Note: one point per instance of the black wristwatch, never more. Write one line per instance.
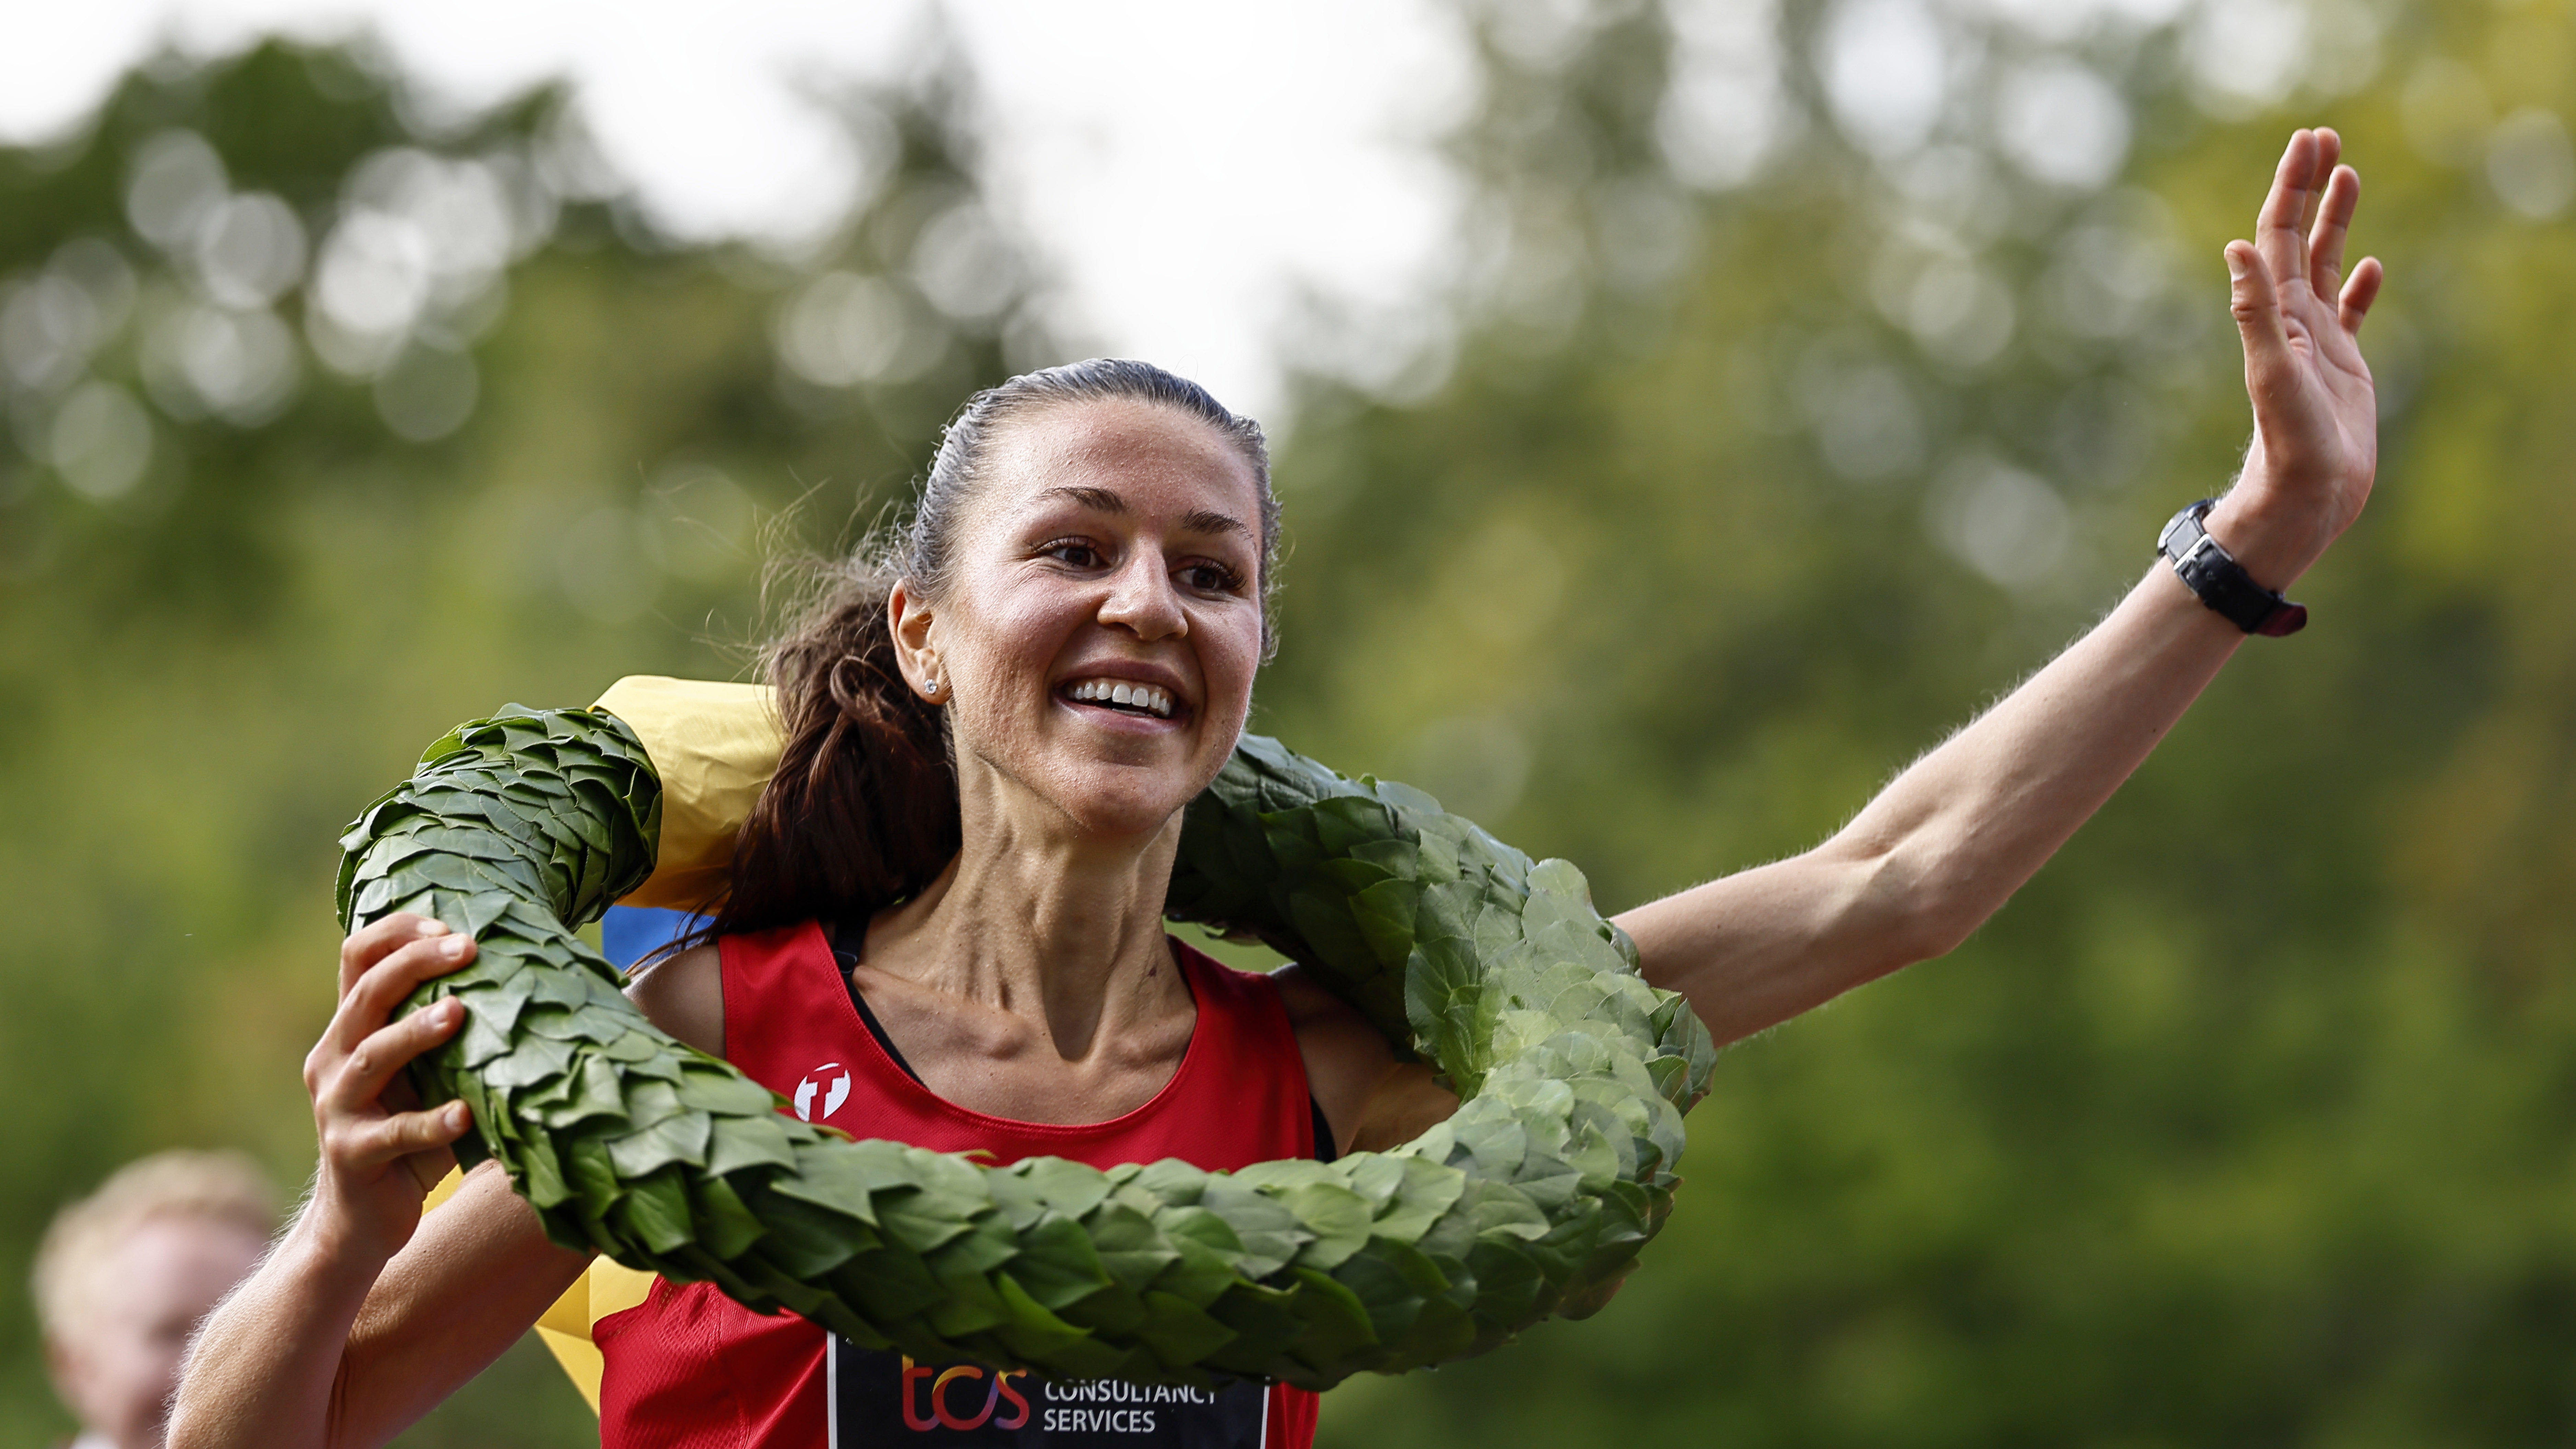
(2209, 570)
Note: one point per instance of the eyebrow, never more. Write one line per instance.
(1197, 520)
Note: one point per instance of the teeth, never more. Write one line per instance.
(1134, 696)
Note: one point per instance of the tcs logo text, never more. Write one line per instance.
(940, 1416)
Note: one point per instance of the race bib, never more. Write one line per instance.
(881, 1398)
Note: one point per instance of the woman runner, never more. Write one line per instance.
(945, 925)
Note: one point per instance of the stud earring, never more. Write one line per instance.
(931, 686)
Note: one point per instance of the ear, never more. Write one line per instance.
(910, 619)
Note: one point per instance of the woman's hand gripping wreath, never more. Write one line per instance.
(380, 1154)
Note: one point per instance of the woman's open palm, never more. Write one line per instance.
(2316, 413)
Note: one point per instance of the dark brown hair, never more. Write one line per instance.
(862, 812)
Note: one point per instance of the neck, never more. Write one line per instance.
(1038, 917)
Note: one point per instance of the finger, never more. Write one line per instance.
(2278, 230)
(2334, 222)
(387, 982)
(2270, 370)
(363, 1077)
(2358, 294)
(371, 943)
(2329, 151)
(369, 1145)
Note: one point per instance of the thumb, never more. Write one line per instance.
(2270, 370)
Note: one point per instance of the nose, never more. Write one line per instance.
(1142, 600)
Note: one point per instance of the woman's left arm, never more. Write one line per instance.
(1953, 837)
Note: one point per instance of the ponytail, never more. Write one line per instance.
(862, 812)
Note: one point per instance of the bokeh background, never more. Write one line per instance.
(1762, 387)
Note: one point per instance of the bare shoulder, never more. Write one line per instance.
(1310, 1004)
(1372, 1101)
(684, 995)
(1346, 1060)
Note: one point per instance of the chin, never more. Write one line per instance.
(1108, 798)
(1140, 809)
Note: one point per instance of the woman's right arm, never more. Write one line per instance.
(365, 1315)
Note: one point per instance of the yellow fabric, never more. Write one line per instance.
(565, 1327)
(581, 1361)
(605, 1288)
(570, 1314)
(715, 746)
(614, 1288)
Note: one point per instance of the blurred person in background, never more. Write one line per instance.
(126, 1274)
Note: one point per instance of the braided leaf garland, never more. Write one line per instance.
(1532, 1200)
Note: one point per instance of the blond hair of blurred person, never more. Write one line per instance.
(125, 1275)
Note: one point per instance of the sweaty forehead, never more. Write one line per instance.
(1150, 455)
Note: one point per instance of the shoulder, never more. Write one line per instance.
(1335, 1039)
(1346, 1060)
(683, 994)
(1374, 1101)
(1310, 1005)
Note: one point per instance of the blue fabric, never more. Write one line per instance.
(630, 933)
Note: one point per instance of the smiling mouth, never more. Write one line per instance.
(1122, 696)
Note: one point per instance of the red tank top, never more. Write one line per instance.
(691, 1369)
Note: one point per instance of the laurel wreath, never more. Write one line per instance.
(1533, 1200)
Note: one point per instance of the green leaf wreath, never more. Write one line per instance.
(1533, 1200)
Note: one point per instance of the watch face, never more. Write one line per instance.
(2183, 531)
(2170, 542)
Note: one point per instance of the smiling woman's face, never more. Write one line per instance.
(1100, 625)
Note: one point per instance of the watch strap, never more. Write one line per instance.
(2211, 572)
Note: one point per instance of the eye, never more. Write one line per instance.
(1073, 553)
(1210, 577)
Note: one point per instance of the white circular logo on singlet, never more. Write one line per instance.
(834, 1081)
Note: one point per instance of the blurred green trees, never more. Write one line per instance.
(1752, 470)
(2249, 1121)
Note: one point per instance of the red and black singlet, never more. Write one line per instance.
(691, 1369)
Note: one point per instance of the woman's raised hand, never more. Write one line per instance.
(2316, 415)
(380, 1156)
